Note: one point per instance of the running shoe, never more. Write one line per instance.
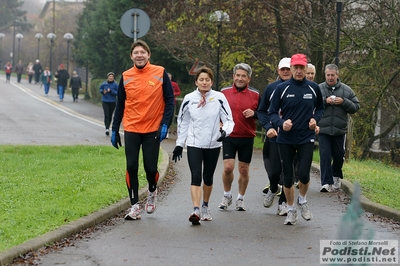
(336, 183)
(282, 209)
(226, 201)
(205, 214)
(269, 199)
(266, 188)
(305, 212)
(291, 217)
(279, 190)
(194, 218)
(151, 201)
(134, 213)
(326, 188)
(240, 205)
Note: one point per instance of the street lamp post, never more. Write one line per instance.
(19, 36)
(1, 46)
(51, 36)
(87, 97)
(68, 36)
(219, 17)
(339, 7)
(38, 36)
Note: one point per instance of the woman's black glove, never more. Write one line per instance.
(177, 153)
(223, 135)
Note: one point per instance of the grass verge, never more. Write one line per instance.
(44, 187)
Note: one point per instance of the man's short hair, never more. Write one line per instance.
(244, 67)
(140, 43)
(332, 67)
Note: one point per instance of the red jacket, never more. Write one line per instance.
(240, 101)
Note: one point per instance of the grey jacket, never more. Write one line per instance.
(335, 119)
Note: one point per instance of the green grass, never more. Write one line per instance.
(43, 187)
(379, 182)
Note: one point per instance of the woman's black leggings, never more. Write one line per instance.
(202, 164)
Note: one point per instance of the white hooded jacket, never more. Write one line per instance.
(199, 126)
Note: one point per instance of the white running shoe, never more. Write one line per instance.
(151, 201)
(282, 209)
(194, 217)
(240, 205)
(336, 183)
(226, 201)
(326, 188)
(291, 217)
(205, 214)
(305, 212)
(269, 199)
(134, 213)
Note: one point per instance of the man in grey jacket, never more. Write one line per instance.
(340, 101)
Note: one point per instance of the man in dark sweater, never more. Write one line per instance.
(62, 80)
(37, 67)
(340, 100)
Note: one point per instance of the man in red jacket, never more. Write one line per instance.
(243, 101)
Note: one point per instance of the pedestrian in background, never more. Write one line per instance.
(177, 92)
(340, 101)
(145, 104)
(19, 69)
(75, 85)
(46, 80)
(295, 109)
(243, 101)
(199, 119)
(30, 72)
(62, 81)
(8, 70)
(37, 68)
(271, 157)
(109, 91)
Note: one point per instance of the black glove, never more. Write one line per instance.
(116, 139)
(177, 153)
(223, 135)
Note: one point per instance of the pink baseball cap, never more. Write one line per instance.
(298, 59)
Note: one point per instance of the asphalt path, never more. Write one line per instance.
(254, 237)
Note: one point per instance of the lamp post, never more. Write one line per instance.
(1, 46)
(219, 17)
(38, 36)
(51, 36)
(87, 97)
(339, 7)
(19, 36)
(68, 36)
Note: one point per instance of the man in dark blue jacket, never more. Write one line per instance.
(295, 109)
(271, 158)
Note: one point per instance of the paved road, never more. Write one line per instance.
(254, 237)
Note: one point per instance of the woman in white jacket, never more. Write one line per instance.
(204, 120)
